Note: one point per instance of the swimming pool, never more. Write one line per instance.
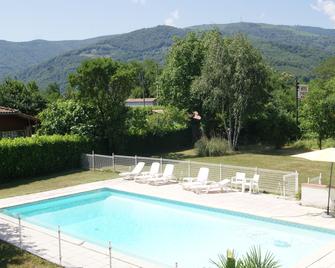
(168, 231)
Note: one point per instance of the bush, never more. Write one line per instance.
(28, 157)
(201, 146)
(312, 144)
(211, 147)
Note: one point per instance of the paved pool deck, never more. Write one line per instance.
(77, 253)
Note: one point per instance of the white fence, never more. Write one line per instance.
(284, 183)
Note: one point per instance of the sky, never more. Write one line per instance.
(24, 20)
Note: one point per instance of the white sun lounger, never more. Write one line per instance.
(144, 176)
(218, 186)
(201, 179)
(136, 171)
(163, 178)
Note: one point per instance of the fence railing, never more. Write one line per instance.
(284, 183)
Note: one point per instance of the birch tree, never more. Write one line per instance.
(232, 81)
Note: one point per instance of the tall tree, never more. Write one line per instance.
(146, 77)
(183, 64)
(232, 81)
(318, 110)
(105, 84)
(24, 97)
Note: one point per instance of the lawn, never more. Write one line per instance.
(54, 181)
(11, 257)
(264, 158)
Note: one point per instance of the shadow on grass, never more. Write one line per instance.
(18, 182)
(249, 149)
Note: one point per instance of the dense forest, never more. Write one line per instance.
(294, 49)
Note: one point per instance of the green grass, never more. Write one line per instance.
(264, 158)
(12, 257)
(54, 181)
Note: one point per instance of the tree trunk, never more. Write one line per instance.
(320, 142)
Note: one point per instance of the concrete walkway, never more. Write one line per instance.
(76, 253)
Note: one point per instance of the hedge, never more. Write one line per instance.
(148, 144)
(40, 155)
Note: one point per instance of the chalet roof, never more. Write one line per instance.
(4, 111)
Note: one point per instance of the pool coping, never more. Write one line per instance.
(115, 185)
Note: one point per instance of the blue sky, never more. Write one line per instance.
(23, 20)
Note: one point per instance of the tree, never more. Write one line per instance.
(52, 92)
(326, 70)
(232, 83)
(105, 84)
(67, 117)
(318, 110)
(24, 97)
(183, 64)
(145, 80)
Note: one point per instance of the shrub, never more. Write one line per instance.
(33, 156)
(312, 144)
(211, 147)
(201, 146)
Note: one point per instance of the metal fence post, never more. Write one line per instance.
(189, 169)
(93, 160)
(20, 232)
(59, 247)
(110, 254)
(220, 172)
(135, 158)
(113, 161)
(284, 186)
(296, 185)
(161, 160)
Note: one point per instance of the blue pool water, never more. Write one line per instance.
(168, 232)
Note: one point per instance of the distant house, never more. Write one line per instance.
(141, 102)
(13, 123)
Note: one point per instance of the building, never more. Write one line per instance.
(141, 102)
(13, 123)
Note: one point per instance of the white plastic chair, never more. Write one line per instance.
(253, 184)
(136, 171)
(239, 179)
(201, 179)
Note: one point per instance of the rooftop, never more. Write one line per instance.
(12, 111)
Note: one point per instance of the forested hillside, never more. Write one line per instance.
(18, 56)
(295, 49)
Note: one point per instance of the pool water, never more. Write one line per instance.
(168, 231)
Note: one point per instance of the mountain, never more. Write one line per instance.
(150, 43)
(18, 56)
(295, 49)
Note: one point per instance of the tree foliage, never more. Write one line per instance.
(318, 110)
(232, 82)
(68, 117)
(24, 97)
(146, 74)
(183, 64)
(105, 85)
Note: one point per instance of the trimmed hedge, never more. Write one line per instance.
(40, 155)
(149, 144)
